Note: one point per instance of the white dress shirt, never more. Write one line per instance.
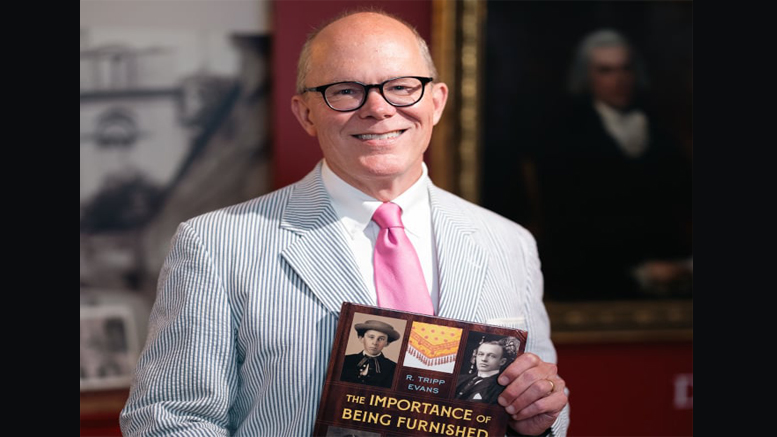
(355, 209)
(630, 129)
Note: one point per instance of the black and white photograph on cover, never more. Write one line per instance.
(336, 431)
(373, 350)
(109, 346)
(485, 357)
(432, 347)
(174, 100)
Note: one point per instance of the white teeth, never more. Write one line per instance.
(379, 137)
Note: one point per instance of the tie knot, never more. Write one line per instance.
(388, 215)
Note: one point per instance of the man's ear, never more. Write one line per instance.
(301, 110)
(439, 97)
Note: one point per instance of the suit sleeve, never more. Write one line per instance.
(538, 340)
(186, 377)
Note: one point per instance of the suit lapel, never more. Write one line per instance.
(321, 255)
(461, 260)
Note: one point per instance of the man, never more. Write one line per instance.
(370, 366)
(615, 187)
(250, 295)
(489, 359)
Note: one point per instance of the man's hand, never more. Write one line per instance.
(533, 395)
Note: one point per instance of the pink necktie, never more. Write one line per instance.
(399, 280)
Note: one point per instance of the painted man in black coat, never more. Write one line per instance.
(616, 188)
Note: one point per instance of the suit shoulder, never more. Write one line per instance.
(268, 206)
(484, 218)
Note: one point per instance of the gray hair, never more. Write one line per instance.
(578, 73)
(303, 65)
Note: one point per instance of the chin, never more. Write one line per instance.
(385, 165)
(620, 102)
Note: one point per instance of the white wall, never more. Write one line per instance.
(235, 15)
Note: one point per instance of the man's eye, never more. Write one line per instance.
(344, 91)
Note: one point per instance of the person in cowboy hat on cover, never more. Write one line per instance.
(370, 366)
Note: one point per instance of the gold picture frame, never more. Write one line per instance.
(459, 50)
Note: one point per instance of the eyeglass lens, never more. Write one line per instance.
(403, 91)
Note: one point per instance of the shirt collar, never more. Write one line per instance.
(355, 208)
(613, 114)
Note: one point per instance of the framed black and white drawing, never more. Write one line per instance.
(174, 122)
(109, 346)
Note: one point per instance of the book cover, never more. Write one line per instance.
(394, 373)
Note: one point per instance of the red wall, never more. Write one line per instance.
(629, 389)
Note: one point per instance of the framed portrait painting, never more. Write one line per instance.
(574, 119)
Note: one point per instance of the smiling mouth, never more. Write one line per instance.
(385, 136)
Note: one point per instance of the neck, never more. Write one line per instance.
(383, 188)
(620, 109)
(370, 355)
(487, 374)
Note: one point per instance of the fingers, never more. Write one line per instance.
(532, 387)
(538, 407)
(516, 399)
(524, 363)
(538, 400)
(536, 423)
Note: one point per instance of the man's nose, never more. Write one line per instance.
(376, 106)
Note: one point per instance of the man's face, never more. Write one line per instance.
(612, 76)
(377, 144)
(489, 357)
(374, 341)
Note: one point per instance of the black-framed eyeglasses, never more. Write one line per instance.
(350, 96)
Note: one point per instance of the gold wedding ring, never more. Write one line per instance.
(552, 387)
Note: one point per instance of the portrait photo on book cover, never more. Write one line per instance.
(485, 357)
(432, 347)
(373, 350)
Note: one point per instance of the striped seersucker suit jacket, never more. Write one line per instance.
(249, 297)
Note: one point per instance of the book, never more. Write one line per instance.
(395, 373)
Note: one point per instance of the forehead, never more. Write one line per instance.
(614, 55)
(490, 348)
(365, 47)
(374, 332)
